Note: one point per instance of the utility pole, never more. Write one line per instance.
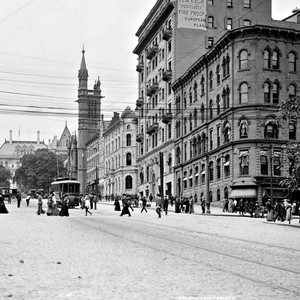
(161, 165)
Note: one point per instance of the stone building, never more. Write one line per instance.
(119, 155)
(12, 151)
(172, 37)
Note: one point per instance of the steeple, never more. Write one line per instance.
(83, 73)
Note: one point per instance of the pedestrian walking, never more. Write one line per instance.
(3, 209)
(192, 205)
(166, 205)
(50, 206)
(91, 200)
(278, 211)
(86, 205)
(40, 204)
(177, 205)
(64, 212)
(28, 200)
(241, 207)
(187, 205)
(203, 204)
(144, 204)
(270, 213)
(19, 198)
(158, 210)
(117, 204)
(289, 215)
(95, 200)
(125, 210)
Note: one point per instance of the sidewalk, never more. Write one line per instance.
(215, 210)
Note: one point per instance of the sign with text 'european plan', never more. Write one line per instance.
(191, 14)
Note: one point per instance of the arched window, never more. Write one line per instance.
(191, 96)
(128, 139)
(275, 60)
(218, 168)
(128, 159)
(292, 62)
(271, 130)
(191, 121)
(184, 100)
(292, 91)
(218, 105)
(226, 192)
(195, 117)
(128, 182)
(211, 171)
(244, 129)
(202, 113)
(218, 73)
(199, 144)
(211, 75)
(227, 166)
(244, 93)
(202, 85)
(141, 177)
(267, 59)
(275, 93)
(243, 60)
(227, 132)
(178, 155)
(211, 109)
(226, 98)
(203, 142)
(195, 91)
(267, 92)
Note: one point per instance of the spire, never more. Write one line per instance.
(83, 65)
(83, 73)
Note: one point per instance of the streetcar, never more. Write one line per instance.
(5, 192)
(69, 186)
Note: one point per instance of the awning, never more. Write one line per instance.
(226, 163)
(243, 193)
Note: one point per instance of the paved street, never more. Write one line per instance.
(180, 256)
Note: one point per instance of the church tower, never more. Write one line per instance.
(89, 112)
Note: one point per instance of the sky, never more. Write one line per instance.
(40, 54)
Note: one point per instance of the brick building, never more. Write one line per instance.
(172, 37)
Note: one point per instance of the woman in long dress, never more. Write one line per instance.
(40, 205)
(3, 209)
(270, 213)
(64, 212)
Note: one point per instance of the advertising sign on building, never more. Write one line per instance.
(191, 14)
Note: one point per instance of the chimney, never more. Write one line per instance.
(38, 137)
(10, 136)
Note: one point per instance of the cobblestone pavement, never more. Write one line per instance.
(180, 256)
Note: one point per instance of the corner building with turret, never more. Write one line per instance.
(211, 74)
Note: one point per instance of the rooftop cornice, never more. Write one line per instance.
(142, 43)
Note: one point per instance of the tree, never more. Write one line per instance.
(38, 170)
(5, 176)
(289, 110)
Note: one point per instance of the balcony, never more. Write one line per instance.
(140, 67)
(152, 51)
(139, 137)
(167, 34)
(167, 75)
(140, 102)
(167, 118)
(152, 89)
(152, 128)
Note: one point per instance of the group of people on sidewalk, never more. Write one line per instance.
(282, 210)
(52, 206)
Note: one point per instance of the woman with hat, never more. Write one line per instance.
(3, 209)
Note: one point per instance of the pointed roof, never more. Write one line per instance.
(83, 65)
(66, 135)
